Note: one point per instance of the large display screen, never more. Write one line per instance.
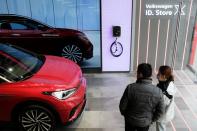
(81, 15)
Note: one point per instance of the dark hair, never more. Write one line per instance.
(145, 69)
(167, 71)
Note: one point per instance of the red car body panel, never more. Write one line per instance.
(56, 74)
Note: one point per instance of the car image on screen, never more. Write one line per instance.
(43, 39)
(37, 92)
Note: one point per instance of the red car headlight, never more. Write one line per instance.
(62, 94)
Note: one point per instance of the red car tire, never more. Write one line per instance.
(36, 117)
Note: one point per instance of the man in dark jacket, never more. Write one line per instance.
(142, 102)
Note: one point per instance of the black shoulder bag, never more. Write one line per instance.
(163, 85)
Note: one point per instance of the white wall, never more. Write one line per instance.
(116, 13)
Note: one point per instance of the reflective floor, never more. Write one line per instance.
(103, 95)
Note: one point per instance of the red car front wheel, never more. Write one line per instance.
(36, 118)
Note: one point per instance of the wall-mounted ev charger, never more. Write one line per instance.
(116, 31)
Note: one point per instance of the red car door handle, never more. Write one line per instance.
(16, 34)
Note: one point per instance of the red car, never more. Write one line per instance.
(43, 39)
(38, 91)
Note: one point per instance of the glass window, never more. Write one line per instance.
(18, 26)
(36, 24)
(15, 64)
(5, 26)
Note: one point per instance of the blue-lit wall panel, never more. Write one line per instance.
(89, 12)
(42, 10)
(66, 13)
(3, 7)
(76, 14)
(21, 7)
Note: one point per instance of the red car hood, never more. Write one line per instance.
(58, 71)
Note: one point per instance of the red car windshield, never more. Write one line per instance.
(17, 64)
